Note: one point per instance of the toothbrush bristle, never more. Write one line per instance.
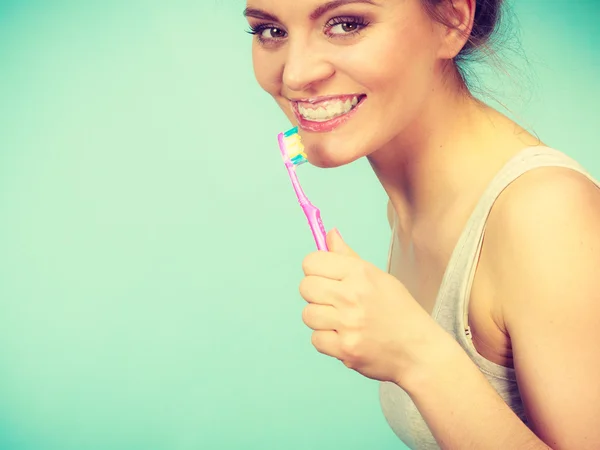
(291, 132)
(294, 147)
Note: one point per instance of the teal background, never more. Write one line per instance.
(150, 242)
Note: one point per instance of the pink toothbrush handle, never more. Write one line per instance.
(316, 225)
(311, 212)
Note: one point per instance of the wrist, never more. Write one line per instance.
(438, 360)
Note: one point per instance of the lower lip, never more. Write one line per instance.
(329, 125)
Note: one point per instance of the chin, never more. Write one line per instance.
(325, 163)
(329, 153)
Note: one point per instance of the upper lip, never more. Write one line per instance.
(324, 98)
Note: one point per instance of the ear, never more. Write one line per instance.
(458, 17)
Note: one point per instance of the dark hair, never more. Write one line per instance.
(487, 20)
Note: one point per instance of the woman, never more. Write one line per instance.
(479, 343)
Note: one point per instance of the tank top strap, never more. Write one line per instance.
(451, 307)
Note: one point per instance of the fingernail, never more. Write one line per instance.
(338, 233)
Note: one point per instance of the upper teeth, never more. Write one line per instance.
(328, 110)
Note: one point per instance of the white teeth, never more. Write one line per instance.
(329, 110)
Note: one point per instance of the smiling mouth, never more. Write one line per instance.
(327, 110)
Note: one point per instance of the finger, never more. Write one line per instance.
(336, 244)
(320, 317)
(326, 342)
(322, 291)
(334, 266)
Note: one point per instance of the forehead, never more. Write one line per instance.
(316, 8)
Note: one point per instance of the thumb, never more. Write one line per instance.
(336, 244)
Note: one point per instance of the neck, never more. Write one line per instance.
(450, 151)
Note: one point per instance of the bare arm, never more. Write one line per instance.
(543, 248)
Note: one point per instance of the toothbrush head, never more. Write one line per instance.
(291, 147)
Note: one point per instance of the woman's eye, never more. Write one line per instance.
(272, 33)
(344, 28)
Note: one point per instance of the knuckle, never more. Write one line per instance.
(357, 318)
(352, 318)
(359, 292)
(364, 271)
(353, 296)
(349, 364)
(307, 315)
(315, 340)
(303, 288)
(306, 264)
(350, 346)
(309, 262)
(355, 293)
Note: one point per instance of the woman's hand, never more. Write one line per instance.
(365, 317)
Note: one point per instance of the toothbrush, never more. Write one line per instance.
(292, 151)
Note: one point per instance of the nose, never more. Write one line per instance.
(304, 67)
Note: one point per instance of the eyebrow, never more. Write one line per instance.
(335, 4)
(259, 14)
(318, 12)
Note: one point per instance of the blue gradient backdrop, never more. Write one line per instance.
(150, 243)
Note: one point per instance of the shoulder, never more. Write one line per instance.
(546, 190)
(547, 212)
(545, 222)
(543, 263)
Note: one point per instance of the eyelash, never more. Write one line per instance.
(359, 22)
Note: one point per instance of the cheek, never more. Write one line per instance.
(391, 66)
(399, 80)
(398, 56)
(266, 70)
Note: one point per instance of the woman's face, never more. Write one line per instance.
(352, 74)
